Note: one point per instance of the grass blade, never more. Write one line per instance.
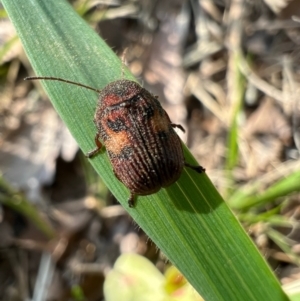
(189, 221)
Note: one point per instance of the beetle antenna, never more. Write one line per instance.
(61, 80)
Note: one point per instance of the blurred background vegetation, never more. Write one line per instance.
(228, 71)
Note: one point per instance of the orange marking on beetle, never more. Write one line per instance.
(116, 141)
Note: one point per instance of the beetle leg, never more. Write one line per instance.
(93, 152)
(198, 168)
(131, 200)
(178, 126)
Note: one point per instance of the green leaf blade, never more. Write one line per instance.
(189, 221)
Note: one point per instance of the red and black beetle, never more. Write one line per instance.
(145, 152)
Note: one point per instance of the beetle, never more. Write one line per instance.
(145, 152)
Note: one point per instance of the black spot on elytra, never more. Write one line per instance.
(117, 125)
(125, 153)
(162, 135)
(148, 112)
